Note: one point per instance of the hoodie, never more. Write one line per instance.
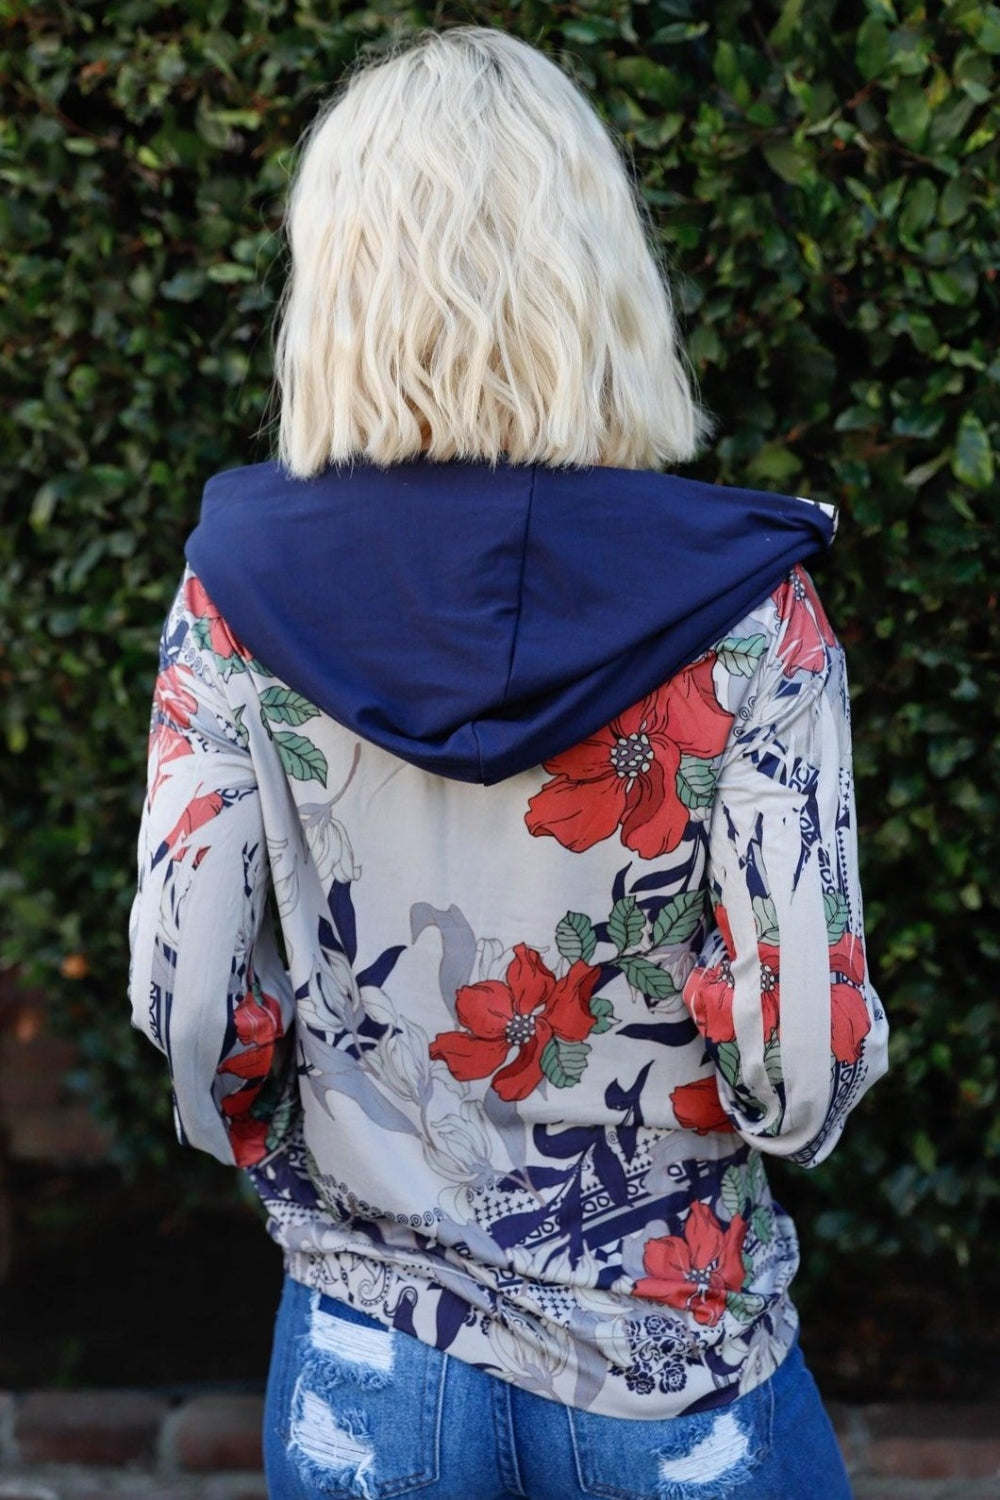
(498, 905)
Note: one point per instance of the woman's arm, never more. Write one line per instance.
(206, 984)
(781, 990)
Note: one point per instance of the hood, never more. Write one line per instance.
(475, 620)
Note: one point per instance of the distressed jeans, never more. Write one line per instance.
(356, 1409)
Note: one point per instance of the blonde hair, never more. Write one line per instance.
(470, 275)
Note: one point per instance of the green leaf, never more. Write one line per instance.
(787, 161)
(746, 1306)
(871, 49)
(972, 457)
(201, 629)
(284, 706)
(974, 74)
(772, 1062)
(774, 461)
(229, 272)
(242, 735)
(765, 919)
(695, 781)
(679, 918)
(762, 1221)
(677, 31)
(626, 923)
(186, 286)
(988, 36)
(740, 654)
(648, 978)
(909, 113)
(231, 665)
(587, 30)
(733, 1191)
(604, 1013)
(950, 120)
(956, 286)
(648, 80)
(835, 908)
(787, 26)
(575, 937)
(303, 760)
(564, 1063)
(919, 207)
(727, 1060)
(757, 1174)
(956, 196)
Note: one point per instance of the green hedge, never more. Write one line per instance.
(824, 178)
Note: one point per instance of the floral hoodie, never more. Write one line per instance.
(498, 906)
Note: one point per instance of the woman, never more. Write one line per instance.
(542, 758)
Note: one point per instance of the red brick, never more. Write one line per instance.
(933, 1441)
(88, 1427)
(215, 1432)
(41, 1119)
(852, 1436)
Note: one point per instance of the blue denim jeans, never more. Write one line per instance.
(355, 1409)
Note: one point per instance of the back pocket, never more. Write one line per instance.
(709, 1455)
(365, 1408)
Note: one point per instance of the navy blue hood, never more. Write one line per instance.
(476, 621)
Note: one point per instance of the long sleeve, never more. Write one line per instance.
(206, 984)
(781, 991)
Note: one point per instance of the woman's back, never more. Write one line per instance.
(500, 1124)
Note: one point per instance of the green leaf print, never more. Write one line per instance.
(201, 629)
(695, 781)
(733, 1190)
(575, 937)
(646, 977)
(242, 736)
(772, 1062)
(603, 1012)
(626, 923)
(765, 919)
(727, 1060)
(679, 918)
(746, 1306)
(758, 1176)
(835, 907)
(763, 1224)
(563, 1063)
(300, 757)
(227, 665)
(740, 654)
(284, 706)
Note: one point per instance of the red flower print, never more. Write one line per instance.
(695, 1272)
(258, 1027)
(247, 1136)
(258, 1024)
(770, 987)
(221, 638)
(697, 1107)
(626, 775)
(525, 1012)
(850, 1021)
(806, 633)
(199, 811)
(708, 993)
(173, 699)
(165, 744)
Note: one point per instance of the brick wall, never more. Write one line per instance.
(65, 1445)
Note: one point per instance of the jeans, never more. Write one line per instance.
(356, 1409)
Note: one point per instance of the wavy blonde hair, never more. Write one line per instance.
(470, 275)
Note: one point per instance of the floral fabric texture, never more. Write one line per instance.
(504, 1062)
